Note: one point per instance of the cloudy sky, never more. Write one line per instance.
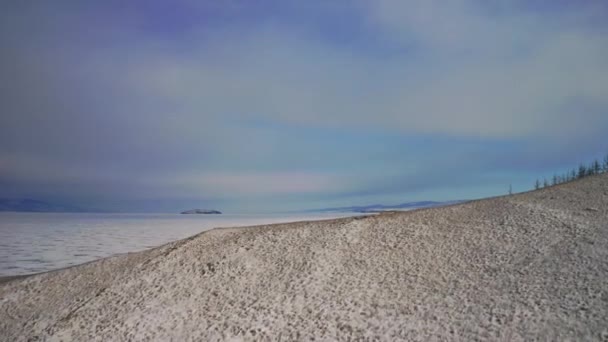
(282, 105)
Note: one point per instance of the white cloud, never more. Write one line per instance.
(122, 105)
(469, 74)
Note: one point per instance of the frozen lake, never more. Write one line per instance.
(38, 242)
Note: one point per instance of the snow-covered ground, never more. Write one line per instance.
(532, 266)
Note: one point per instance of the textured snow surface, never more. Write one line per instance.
(521, 267)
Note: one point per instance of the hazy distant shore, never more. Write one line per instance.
(521, 267)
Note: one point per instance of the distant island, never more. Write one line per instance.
(201, 211)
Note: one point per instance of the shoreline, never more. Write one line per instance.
(9, 278)
(256, 222)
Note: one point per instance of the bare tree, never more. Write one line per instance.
(582, 171)
(597, 168)
(594, 168)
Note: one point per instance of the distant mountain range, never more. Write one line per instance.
(35, 206)
(382, 207)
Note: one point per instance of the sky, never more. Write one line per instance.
(263, 106)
